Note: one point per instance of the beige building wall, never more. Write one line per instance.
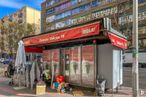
(33, 17)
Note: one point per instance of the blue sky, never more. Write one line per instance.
(10, 6)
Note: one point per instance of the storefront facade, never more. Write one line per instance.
(74, 52)
(76, 63)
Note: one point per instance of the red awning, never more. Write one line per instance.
(69, 34)
(33, 50)
(118, 41)
(84, 31)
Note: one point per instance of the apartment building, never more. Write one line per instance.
(25, 15)
(61, 14)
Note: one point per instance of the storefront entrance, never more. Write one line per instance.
(79, 65)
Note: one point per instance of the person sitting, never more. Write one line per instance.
(46, 75)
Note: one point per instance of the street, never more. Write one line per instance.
(127, 74)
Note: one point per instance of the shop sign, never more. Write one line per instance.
(118, 41)
(69, 34)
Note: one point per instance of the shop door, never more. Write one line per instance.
(65, 63)
(71, 63)
(88, 66)
(79, 65)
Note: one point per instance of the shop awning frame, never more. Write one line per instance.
(63, 35)
(79, 33)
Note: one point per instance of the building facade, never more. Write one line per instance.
(27, 17)
(73, 32)
(61, 14)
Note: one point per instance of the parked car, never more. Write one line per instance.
(7, 61)
(2, 60)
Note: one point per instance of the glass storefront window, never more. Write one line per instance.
(55, 55)
(79, 65)
(75, 68)
(47, 58)
(51, 57)
(88, 66)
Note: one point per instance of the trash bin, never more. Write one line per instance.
(40, 88)
(100, 87)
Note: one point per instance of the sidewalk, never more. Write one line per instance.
(123, 92)
(10, 91)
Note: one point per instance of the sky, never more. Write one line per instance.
(10, 6)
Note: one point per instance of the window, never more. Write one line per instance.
(141, 1)
(140, 42)
(75, 66)
(60, 24)
(73, 2)
(50, 11)
(144, 42)
(88, 65)
(50, 19)
(87, 6)
(95, 3)
(67, 13)
(142, 30)
(75, 11)
(52, 2)
(58, 16)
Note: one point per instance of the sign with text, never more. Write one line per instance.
(118, 41)
(68, 34)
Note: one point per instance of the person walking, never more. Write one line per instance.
(6, 71)
(10, 70)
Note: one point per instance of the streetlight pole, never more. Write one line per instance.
(135, 76)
